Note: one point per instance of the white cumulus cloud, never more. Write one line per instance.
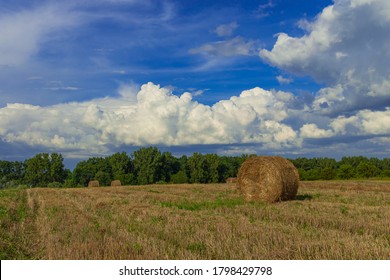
(347, 46)
(151, 116)
(365, 122)
(313, 131)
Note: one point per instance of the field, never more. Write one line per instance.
(328, 220)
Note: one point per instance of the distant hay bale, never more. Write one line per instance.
(116, 183)
(93, 183)
(268, 178)
(231, 180)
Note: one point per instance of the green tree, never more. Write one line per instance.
(148, 165)
(353, 161)
(385, 173)
(179, 178)
(57, 170)
(44, 169)
(327, 173)
(214, 168)
(198, 168)
(122, 168)
(366, 170)
(183, 165)
(312, 174)
(346, 171)
(385, 164)
(170, 166)
(38, 170)
(104, 178)
(303, 164)
(11, 171)
(83, 173)
(87, 170)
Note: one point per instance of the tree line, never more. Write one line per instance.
(355, 167)
(144, 166)
(151, 166)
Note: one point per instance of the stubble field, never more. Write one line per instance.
(328, 220)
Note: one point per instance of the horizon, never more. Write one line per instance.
(71, 163)
(269, 77)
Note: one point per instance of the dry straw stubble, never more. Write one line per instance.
(268, 178)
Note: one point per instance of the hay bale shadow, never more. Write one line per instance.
(304, 197)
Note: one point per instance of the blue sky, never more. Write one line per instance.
(294, 78)
(100, 44)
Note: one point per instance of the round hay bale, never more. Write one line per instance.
(93, 183)
(116, 183)
(231, 180)
(268, 178)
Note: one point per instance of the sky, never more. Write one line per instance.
(276, 77)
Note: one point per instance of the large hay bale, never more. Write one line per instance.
(268, 178)
(116, 183)
(93, 183)
(231, 180)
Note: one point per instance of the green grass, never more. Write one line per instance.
(204, 205)
(14, 214)
(197, 247)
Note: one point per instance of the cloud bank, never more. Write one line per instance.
(153, 116)
(347, 47)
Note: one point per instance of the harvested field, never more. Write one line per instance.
(327, 220)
